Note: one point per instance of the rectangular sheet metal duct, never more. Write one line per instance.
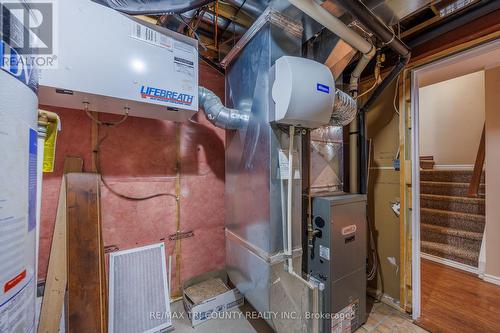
(255, 192)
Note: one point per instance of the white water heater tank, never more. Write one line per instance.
(119, 64)
(18, 186)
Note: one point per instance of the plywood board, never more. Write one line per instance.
(86, 304)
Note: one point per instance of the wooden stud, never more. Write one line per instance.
(94, 139)
(55, 283)
(339, 58)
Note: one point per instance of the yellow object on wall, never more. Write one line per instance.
(49, 150)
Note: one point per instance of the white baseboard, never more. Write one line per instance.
(454, 166)
(491, 279)
(450, 263)
(482, 258)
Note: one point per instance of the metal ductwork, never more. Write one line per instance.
(344, 109)
(218, 114)
(153, 7)
(223, 23)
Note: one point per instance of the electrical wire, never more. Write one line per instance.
(193, 31)
(397, 81)
(395, 96)
(97, 152)
(373, 247)
(102, 123)
(376, 75)
(370, 89)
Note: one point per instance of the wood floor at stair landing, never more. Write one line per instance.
(455, 301)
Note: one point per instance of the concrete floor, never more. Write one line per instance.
(381, 319)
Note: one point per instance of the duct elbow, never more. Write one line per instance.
(218, 114)
(360, 67)
(344, 110)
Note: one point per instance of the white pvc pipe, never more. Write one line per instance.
(360, 67)
(323, 17)
(332, 23)
(288, 248)
(288, 251)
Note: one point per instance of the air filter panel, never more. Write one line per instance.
(138, 290)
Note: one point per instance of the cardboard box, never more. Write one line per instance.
(208, 294)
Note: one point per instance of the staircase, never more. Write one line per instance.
(451, 224)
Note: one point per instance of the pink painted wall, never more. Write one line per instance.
(139, 159)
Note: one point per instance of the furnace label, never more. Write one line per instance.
(324, 252)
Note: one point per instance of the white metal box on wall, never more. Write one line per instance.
(117, 63)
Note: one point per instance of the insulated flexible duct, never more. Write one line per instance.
(217, 113)
(344, 109)
(152, 7)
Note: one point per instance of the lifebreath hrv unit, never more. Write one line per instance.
(119, 64)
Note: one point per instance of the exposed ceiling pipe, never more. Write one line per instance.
(153, 7)
(209, 17)
(335, 25)
(251, 7)
(332, 23)
(361, 13)
(364, 15)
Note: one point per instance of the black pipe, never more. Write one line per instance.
(366, 17)
(361, 13)
(363, 149)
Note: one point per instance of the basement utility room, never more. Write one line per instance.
(255, 166)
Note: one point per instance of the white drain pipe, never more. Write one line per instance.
(332, 23)
(288, 243)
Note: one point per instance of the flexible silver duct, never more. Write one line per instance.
(217, 113)
(344, 109)
(152, 7)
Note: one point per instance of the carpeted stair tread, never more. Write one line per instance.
(455, 204)
(448, 188)
(460, 176)
(466, 240)
(452, 224)
(455, 220)
(450, 252)
(477, 236)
